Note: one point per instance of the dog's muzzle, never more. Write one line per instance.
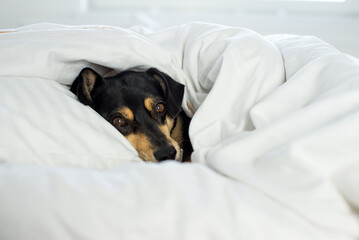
(168, 153)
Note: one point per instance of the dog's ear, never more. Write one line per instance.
(173, 91)
(84, 85)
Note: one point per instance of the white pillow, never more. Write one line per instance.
(42, 122)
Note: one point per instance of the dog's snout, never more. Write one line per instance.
(164, 153)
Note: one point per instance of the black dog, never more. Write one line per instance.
(145, 106)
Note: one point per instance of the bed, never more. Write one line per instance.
(275, 132)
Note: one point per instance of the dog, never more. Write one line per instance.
(144, 106)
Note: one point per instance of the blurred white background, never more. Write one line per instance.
(335, 21)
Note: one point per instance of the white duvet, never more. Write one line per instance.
(275, 132)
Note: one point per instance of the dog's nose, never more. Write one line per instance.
(165, 153)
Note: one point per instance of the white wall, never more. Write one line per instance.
(334, 23)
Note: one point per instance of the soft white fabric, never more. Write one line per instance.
(142, 201)
(276, 118)
(42, 122)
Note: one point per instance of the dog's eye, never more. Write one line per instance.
(119, 121)
(160, 108)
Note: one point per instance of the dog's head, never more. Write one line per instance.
(142, 105)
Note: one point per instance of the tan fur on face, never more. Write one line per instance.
(166, 129)
(149, 102)
(126, 113)
(142, 143)
(143, 146)
(177, 133)
(169, 122)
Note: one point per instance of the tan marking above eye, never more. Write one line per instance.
(126, 113)
(149, 102)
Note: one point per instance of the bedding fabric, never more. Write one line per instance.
(274, 130)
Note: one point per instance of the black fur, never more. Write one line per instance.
(129, 89)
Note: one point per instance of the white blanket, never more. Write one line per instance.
(275, 137)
